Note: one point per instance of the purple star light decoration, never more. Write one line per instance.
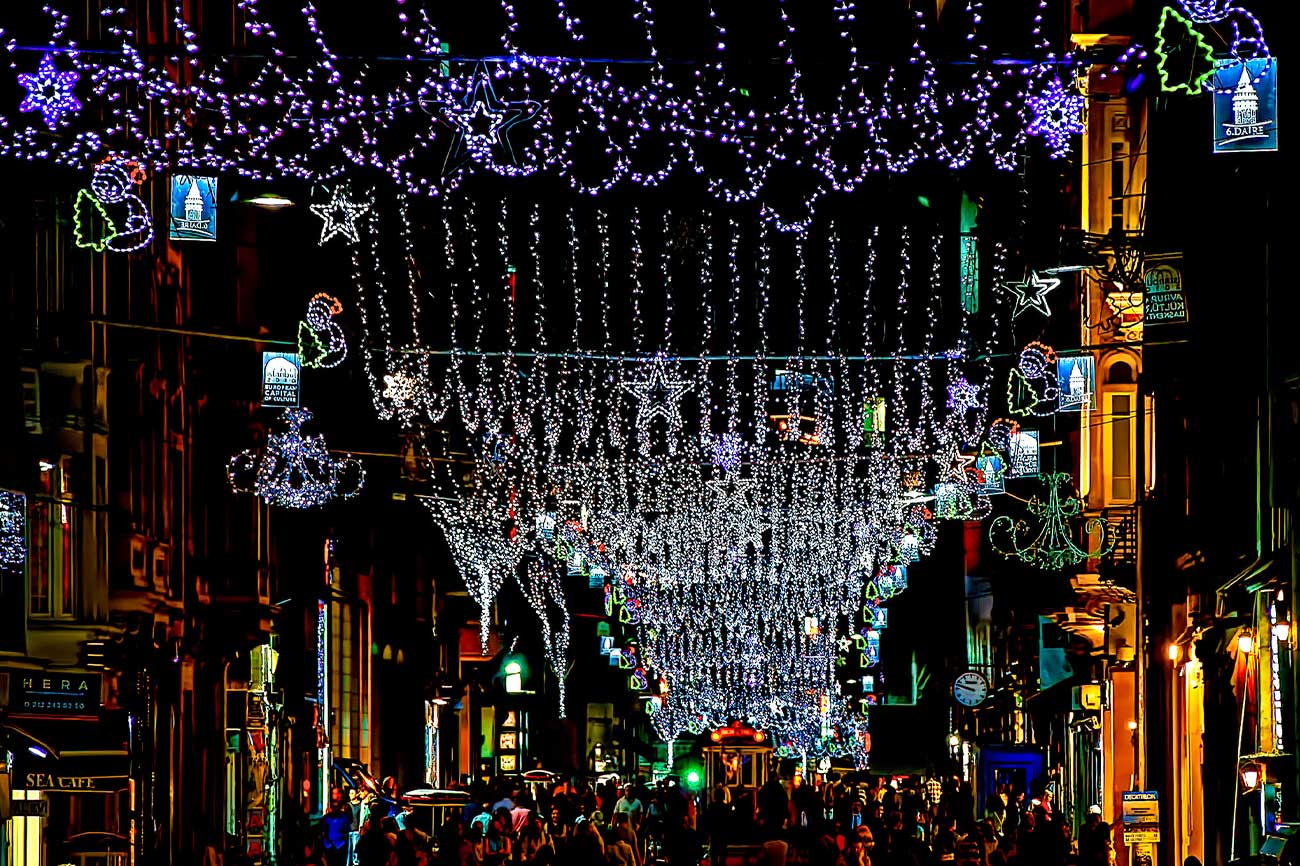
(481, 122)
(49, 91)
(1058, 115)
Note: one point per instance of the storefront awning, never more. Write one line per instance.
(70, 757)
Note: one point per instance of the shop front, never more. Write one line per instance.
(68, 787)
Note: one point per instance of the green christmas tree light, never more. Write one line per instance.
(1181, 44)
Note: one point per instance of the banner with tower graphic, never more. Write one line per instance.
(1076, 377)
(193, 208)
(1245, 105)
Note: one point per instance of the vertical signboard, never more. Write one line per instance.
(1076, 379)
(1245, 105)
(193, 208)
(1165, 301)
(281, 380)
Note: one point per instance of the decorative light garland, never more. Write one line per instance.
(13, 529)
(320, 340)
(109, 204)
(49, 91)
(1175, 31)
(280, 113)
(1058, 116)
(295, 471)
(1051, 544)
(576, 474)
(1031, 293)
(339, 215)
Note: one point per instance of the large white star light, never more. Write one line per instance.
(1031, 293)
(657, 395)
(481, 122)
(339, 215)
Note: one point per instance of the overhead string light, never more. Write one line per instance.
(278, 111)
(770, 540)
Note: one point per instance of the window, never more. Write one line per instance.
(52, 561)
(1117, 157)
(1119, 414)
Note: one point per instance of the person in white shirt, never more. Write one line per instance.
(629, 804)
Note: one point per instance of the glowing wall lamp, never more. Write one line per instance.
(514, 677)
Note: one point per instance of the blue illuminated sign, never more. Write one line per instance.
(1245, 105)
(193, 208)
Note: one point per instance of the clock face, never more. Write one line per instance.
(970, 689)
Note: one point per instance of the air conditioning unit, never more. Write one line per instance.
(139, 562)
(264, 586)
(161, 563)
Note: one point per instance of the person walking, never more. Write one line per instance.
(336, 825)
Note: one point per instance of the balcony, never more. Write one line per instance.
(1119, 564)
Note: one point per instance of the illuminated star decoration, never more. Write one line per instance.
(1058, 115)
(963, 396)
(339, 215)
(49, 91)
(481, 122)
(1031, 293)
(657, 397)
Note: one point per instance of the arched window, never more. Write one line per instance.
(1119, 373)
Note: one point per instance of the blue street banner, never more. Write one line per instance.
(1245, 105)
(193, 208)
(281, 379)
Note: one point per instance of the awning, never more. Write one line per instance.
(1252, 578)
(70, 757)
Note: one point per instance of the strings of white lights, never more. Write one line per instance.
(739, 576)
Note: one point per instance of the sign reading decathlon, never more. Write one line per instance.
(1141, 814)
(281, 379)
(45, 693)
(1245, 105)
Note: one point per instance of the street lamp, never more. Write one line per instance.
(1174, 652)
(514, 677)
(1282, 631)
(1251, 775)
(1245, 641)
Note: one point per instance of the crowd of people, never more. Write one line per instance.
(849, 820)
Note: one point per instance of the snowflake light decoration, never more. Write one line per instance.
(963, 396)
(49, 91)
(339, 215)
(320, 339)
(13, 535)
(728, 450)
(295, 471)
(1051, 545)
(1058, 116)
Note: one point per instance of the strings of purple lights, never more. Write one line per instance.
(269, 113)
